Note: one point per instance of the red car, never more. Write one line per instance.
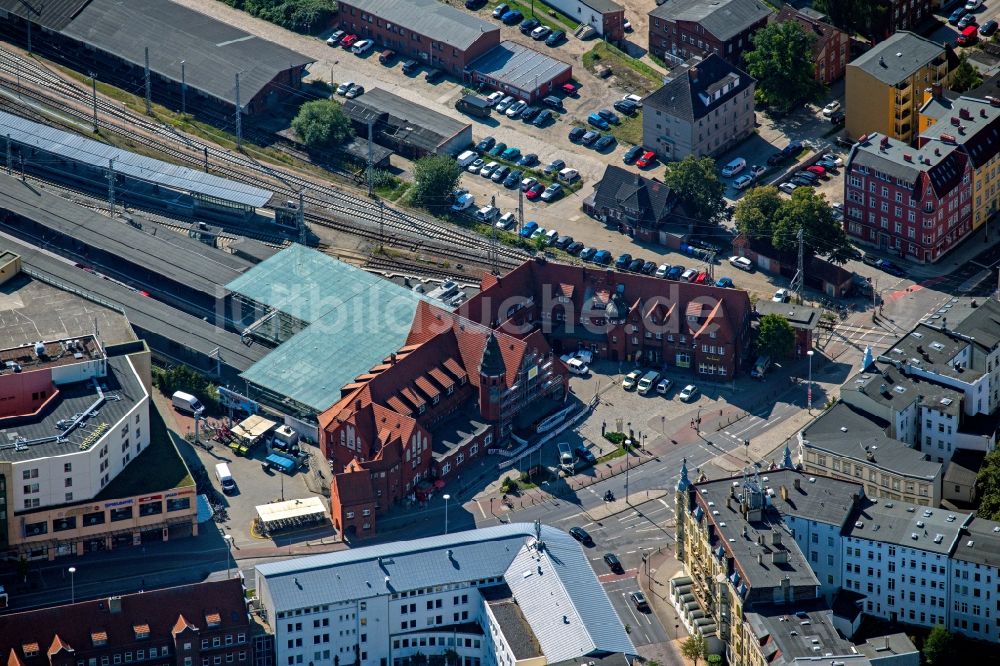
(817, 169)
(647, 158)
(348, 41)
(701, 278)
(570, 89)
(534, 191)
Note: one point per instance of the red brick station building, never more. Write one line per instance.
(464, 381)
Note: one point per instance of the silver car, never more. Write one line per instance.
(505, 103)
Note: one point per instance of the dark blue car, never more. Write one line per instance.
(623, 261)
(602, 258)
(511, 17)
(675, 272)
(957, 15)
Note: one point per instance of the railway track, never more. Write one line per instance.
(344, 211)
(413, 269)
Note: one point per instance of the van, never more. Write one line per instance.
(487, 213)
(186, 403)
(968, 36)
(225, 478)
(386, 56)
(553, 102)
(760, 367)
(568, 175)
(467, 158)
(474, 106)
(567, 461)
(410, 66)
(648, 381)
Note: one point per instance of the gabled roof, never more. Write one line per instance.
(723, 18)
(941, 161)
(822, 30)
(983, 324)
(433, 19)
(620, 188)
(690, 94)
(492, 364)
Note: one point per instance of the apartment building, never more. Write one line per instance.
(767, 554)
(510, 594)
(706, 108)
(914, 202)
(885, 85)
(683, 29)
(831, 48)
(205, 624)
(971, 126)
(607, 17)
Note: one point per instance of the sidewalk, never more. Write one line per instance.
(655, 584)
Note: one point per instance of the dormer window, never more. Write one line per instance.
(451, 389)
(213, 620)
(99, 638)
(141, 631)
(30, 649)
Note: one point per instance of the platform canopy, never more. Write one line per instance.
(279, 514)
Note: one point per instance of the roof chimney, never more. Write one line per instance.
(938, 89)
(693, 73)
(357, 404)
(115, 605)
(796, 483)
(392, 358)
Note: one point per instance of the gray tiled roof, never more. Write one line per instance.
(723, 18)
(973, 124)
(943, 163)
(888, 386)
(556, 590)
(983, 324)
(903, 524)
(898, 57)
(430, 18)
(679, 97)
(932, 349)
(847, 432)
(979, 543)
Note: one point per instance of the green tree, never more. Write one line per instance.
(322, 123)
(863, 16)
(697, 185)
(966, 76)
(756, 210)
(435, 176)
(307, 16)
(775, 336)
(694, 648)
(781, 61)
(988, 487)
(938, 646)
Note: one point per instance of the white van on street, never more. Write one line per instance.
(225, 478)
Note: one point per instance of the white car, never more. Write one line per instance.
(631, 380)
(833, 158)
(362, 47)
(688, 393)
(494, 98)
(476, 166)
(538, 233)
(527, 182)
(505, 103)
(576, 366)
(838, 211)
(635, 99)
(662, 270)
(487, 170)
(741, 263)
(663, 386)
(463, 202)
(344, 87)
(973, 5)
(831, 108)
(514, 109)
(787, 187)
(584, 355)
(781, 296)
(506, 221)
(734, 167)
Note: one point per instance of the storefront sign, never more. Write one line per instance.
(150, 498)
(124, 502)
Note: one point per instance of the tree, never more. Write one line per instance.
(322, 123)
(775, 336)
(756, 210)
(966, 76)
(435, 176)
(938, 646)
(988, 487)
(863, 16)
(694, 648)
(697, 185)
(781, 61)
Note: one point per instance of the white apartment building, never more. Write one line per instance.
(498, 596)
(70, 421)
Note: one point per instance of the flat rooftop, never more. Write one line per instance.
(979, 543)
(25, 358)
(845, 431)
(122, 391)
(934, 350)
(799, 316)
(513, 624)
(793, 632)
(887, 386)
(32, 310)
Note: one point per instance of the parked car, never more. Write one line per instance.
(623, 261)
(966, 21)
(743, 182)
(488, 169)
(892, 268)
(610, 116)
(597, 121)
(344, 87)
(613, 563)
(563, 242)
(631, 380)
(973, 5)
(688, 393)
(434, 75)
(554, 167)
(663, 386)
(528, 160)
(362, 47)
(386, 57)
(648, 268)
(515, 109)
(528, 182)
(957, 15)
(534, 191)
(988, 28)
(590, 137)
(587, 253)
(640, 602)
(553, 102)
(602, 257)
(528, 229)
(555, 38)
(355, 91)
(632, 154)
(506, 221)
(497, 149)
(476, 166)
(734, 166)
(838, 119)
(757, 170)
(581, 535)
(826, 164)
(485, 144)
(411, 67)
(474, 4)
(689, 274)
(830, 157)
(576, 134)
(626, 106)
(968, 36)
(500, 173)
(816, 169)
(512, 179)
(529, 24)
(463, 202)
(574, 248)
(741, 263)
(512, 17)
(781, 296)
(646, 159)
(500, 10)
(543, 118)
(675, 272)
(505, 103)
(725, 283)
(831, 108)
(604, 142)
(512, 154)
(334, 39)
(540, 33)
(348, 41)
(700, 278)
(788, 187)
(583, 453)
(494, 97)
(552, 192)
(529, 114)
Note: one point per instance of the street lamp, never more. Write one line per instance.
(228, 538)
(72, 585)
(446, 498)
(809, 391)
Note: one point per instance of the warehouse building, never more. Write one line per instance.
(409, 129)
(432, 32)
(519, 71)
(186, 49)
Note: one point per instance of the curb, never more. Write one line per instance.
(621, 506)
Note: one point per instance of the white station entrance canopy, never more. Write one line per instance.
(291, 512)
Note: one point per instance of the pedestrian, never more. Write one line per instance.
(604, 427)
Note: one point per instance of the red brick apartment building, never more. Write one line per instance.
(915, 202)
(465, 380)
(430, 31)
(682, 29)
(206, 624)
(831, 50)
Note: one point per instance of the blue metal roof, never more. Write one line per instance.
(556, 588)
(97, 154)
(355, 320)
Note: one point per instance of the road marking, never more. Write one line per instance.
(629, 552)
(481, 509)
(664, 503)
